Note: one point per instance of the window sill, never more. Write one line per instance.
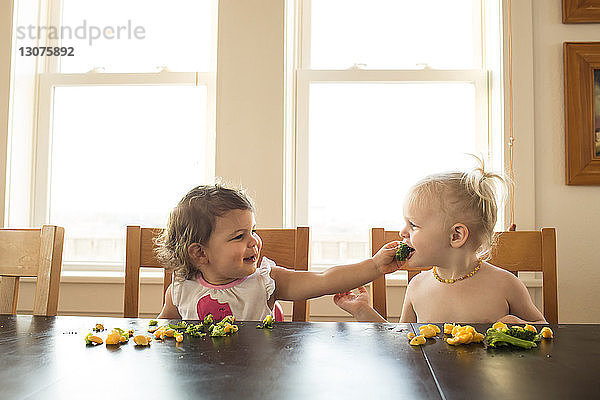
(105, 277)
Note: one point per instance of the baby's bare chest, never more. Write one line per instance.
(460, 303)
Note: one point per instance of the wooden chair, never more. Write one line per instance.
(379, 237)
(287, 247)
(514, 251)
(31, 252)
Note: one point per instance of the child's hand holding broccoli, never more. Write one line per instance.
(387, 259)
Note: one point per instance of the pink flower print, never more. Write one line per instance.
(207, 305)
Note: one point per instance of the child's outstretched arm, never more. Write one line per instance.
(169, 310)
(521, 307)
(302, 285)
(358, 305)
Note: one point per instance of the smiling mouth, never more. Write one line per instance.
(251, 259)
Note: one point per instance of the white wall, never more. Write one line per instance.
(573, 210)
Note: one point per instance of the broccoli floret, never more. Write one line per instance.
(520, 333)
(267, 322)
(496, 338)
(403, 251)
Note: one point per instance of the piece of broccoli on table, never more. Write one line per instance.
(403, 251)
(267, 322)
(500, 337)
(524, 334)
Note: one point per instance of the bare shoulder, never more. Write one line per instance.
(419, 281)
(499, 275)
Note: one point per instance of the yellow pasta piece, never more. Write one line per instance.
(531, 328)
(478, 337)
(418, 340)
(448, 328)
(500, 325)
(427, 331)
(547, 333)
(113, 338)
(455, 330)
(410, 335)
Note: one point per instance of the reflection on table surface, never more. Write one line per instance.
(47, 358)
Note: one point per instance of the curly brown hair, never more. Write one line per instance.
(193, 221)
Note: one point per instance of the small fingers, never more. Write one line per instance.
(362, 289)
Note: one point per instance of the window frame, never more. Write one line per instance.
(487, 80)
(48, 77)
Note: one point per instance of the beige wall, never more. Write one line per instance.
(250, 102)
(573, 210)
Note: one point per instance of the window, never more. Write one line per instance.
(122, 129)
(386, 92)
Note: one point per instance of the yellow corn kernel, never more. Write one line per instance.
(228, 327)
(418, 340)
(95, 339)
(499, 325)
(478, 337)
(179, 338)
(427, 331)
(448, 328)
(530, 328)
(410, 335)
(435, 328)
(113, 338)
(547, 333)
(140, 340)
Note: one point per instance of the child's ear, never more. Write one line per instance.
(197, 254)
(459, 233)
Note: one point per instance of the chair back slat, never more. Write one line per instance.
(147, 255)
(517, 251)
(36, 253)
(279, 245)
(20, 249)
(9, 294)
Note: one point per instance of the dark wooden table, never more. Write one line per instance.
(46, 357)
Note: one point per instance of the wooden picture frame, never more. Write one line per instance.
(582, 112)
(580, 11)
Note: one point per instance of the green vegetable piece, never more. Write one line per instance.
(403, 251)
(123, 333)
(87, 338)
(179, 326)
(520, 333)
(496, 338)
(267, 322)
(208, 320)
(152, 323)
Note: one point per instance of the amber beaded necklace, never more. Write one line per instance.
(470, 274)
